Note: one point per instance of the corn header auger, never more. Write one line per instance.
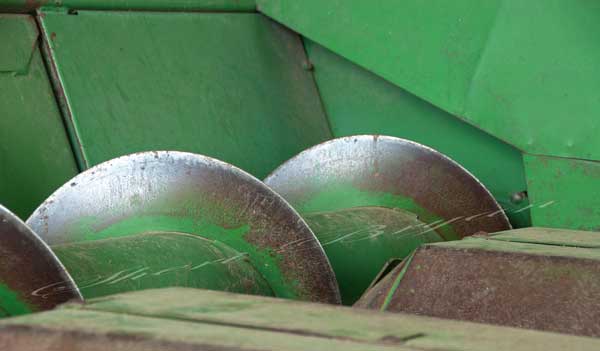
(165, 219)
(373, 199)
(243, 175)
(161, 219)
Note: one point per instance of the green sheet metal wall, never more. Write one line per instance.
(360, 102)
(506, 80)
(523, 71)
(230, 86)
(35, 156)
(564, 186)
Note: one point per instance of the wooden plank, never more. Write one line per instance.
(190, 319)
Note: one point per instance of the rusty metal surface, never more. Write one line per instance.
(194, 194)
(375, 296)
(389, 172)
(27, 264)
(500, 283)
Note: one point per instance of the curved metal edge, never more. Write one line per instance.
(334, 296)
(275, 173)
(62, 285)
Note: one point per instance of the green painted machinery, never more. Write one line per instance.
(381, 131)
(160, 219)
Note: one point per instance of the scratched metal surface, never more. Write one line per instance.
(373, 170)
(360, 240)
(27, 265)
(158, 260)
(193, 194)
(392, 173)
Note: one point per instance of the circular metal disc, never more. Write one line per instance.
(189, 193)
(31, 277)
(371, 170)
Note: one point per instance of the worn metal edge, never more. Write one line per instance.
(30, 6)
(43, 252)
(60, 94)
(334, 295)
(267, 180)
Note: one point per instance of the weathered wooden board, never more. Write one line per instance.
(189, 319)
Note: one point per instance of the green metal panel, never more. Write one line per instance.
(156, 5)
(187, 319)
(19, 35)
(230, 86)
(566, 192)
(521, 70)
(35, 156)
(421, 46)
(359, 102)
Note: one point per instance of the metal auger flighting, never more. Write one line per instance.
(370, 199)
(158, 219)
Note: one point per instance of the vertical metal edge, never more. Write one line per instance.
(311, 70)
(59, 93)
(390, 294)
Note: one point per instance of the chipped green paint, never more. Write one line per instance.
(104, 267)
(359, 241)
(390, 294)
(266, 261)
(343, 196)
(11, 304)
(157, 223)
